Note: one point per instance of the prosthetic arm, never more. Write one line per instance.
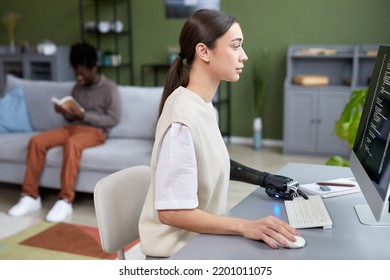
(276, 186)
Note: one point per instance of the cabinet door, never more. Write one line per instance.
(330, 106)
(11, 64)
(300, 121)
(39, 67)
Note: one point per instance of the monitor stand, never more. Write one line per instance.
(367, 218)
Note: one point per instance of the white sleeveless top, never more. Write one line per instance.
(176, 188)
(212, 165)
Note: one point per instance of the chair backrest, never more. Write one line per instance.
(119, 198)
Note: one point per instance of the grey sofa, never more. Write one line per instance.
(128, 144)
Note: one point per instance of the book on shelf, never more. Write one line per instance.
(372, 52)
(311, 80)
(333, 191)
(317, 51)
(69, 104)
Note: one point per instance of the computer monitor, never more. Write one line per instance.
(369, 160)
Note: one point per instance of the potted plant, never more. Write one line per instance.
(347, 125)
(260, 82)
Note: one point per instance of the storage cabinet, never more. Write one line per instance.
(309, 125)
(34, 66)
(106, 24)
(364, 65)
(310, 111)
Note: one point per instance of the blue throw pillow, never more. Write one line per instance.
(14, 112)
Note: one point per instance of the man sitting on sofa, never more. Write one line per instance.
(99, 97)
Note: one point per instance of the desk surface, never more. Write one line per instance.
(348, 239)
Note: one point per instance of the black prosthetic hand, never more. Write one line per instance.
(276, 186)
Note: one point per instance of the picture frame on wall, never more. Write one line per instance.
(184, 8)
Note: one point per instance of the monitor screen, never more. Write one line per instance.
(370, 156)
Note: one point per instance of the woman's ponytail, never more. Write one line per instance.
(177, 76)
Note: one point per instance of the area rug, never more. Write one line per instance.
(10, 225)
(60, 241)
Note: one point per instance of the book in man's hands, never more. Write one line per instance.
(69, 104)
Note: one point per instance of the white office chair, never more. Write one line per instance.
(119, 198)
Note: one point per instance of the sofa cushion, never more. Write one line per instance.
(37, 95)
(139, 108)
(13, 146)
(112, 156)
(14, 115)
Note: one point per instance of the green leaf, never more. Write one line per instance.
(337, 161)
(346, 126)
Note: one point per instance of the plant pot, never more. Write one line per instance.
(257, 133)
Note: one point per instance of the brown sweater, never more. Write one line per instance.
(101, 103)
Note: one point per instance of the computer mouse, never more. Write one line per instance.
(298, 243)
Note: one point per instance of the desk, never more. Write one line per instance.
(348, 239)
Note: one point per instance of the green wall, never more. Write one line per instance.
(273, 24)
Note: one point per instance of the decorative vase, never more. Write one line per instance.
(12, 47)
(257, 133)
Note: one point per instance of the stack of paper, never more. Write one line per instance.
(314, 188)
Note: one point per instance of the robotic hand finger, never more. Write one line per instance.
(281, 187)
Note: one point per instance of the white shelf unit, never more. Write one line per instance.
(310, 111)
(34, 66)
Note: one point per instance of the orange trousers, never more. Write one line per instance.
(73, 139)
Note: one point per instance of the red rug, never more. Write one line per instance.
(71, 238)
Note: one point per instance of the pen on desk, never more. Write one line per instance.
(334, 184)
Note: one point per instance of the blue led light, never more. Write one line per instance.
(276, 211)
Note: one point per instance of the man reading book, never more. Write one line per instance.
(100, 98)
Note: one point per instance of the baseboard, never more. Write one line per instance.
(237, 140)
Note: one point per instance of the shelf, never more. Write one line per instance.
(365, 65)
(110, 33)
(324, 56)
(122, 65)
(310, 111)
(116, 42)
(15, 68)
(320, 88)
(34, 66)
(40, 70)
(337, 69)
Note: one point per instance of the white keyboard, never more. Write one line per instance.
(308, 213)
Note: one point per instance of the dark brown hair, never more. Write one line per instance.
(204, 26)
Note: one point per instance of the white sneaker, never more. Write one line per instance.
(60, 211)
(25, 205)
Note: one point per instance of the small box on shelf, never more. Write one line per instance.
(311, 80)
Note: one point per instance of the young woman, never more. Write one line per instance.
(190, 163)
